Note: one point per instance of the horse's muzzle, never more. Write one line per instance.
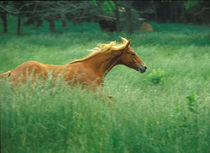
(142, 69)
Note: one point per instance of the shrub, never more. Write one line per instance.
(157, 76)
(192, 104)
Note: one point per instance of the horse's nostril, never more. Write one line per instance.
(145, 67)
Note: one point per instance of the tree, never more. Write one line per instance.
(3, 14)
(18, 10)
(199, 9)
(13, 8)
(117, 14)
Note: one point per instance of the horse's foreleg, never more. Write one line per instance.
(106, 97)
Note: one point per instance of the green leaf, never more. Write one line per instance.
(191, 3)
(94, 2)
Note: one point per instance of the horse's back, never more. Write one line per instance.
(29, 68)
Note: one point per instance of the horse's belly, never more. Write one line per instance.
(86, 78)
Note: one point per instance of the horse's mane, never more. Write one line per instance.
(103, 48)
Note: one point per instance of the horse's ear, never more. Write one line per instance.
(124, 41)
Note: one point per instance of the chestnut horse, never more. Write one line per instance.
(90, 71)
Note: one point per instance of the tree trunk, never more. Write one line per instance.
(39, 23)
(157, 12)
(51, 26)
(4, 20)
(154, 7)
(171, 11)
(63, 23)
(19, 25)
(129, 20)
(117, 18)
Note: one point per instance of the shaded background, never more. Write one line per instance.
(111, 16)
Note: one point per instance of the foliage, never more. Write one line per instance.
(38, 11)
(107, 5)
(191, 3)
(157, 76)
(192, 103)
(117, 15)
(174, 11)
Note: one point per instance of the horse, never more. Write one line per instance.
(89, 71)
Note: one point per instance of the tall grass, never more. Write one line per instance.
(168, 115)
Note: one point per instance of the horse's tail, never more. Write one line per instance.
(5, 75)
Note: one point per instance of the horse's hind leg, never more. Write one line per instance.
(5, 75)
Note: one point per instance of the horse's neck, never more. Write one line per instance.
(103, 62)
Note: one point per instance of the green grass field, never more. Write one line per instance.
(165, 110)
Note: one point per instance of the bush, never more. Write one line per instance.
(192, 103)
(157, 76)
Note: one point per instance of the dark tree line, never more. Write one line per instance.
(38, 11)
(175, 11)
(109, 14)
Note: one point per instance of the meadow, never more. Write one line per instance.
(164, 110)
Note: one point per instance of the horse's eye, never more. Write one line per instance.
(133, 54)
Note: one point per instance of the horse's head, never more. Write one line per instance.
(130, 58)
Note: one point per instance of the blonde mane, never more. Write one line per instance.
(103, 48)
